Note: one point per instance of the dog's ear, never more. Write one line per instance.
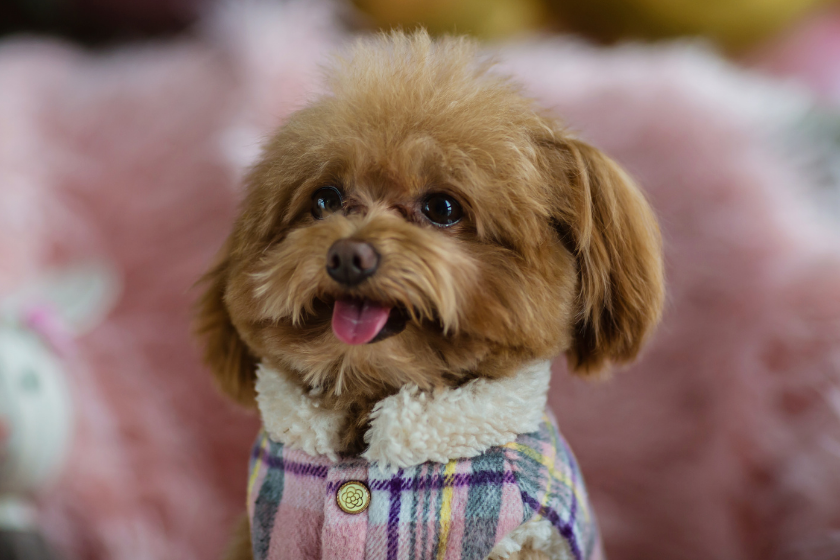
(605, 221)
(224, 351)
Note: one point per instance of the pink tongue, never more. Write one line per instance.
(358, 321)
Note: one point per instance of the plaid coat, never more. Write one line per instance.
(443, 511)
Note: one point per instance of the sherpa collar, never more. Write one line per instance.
(412, 426)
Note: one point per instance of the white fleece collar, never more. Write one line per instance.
(413, 426)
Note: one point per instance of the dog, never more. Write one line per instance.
(413, 249)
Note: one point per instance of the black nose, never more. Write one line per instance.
(350, 261)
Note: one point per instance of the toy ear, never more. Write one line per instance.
(80, 295)
(224, 351)
(607, 224)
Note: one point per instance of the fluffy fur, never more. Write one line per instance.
(538, 536)
(290, 415)
(558, 251)
(412, 426)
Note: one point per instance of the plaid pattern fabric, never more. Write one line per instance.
(435, 511)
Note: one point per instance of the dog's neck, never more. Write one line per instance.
(412, 426)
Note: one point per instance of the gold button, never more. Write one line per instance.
(353, 497)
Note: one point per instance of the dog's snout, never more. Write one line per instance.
(350, 261)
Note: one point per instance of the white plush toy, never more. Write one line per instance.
(37, 327)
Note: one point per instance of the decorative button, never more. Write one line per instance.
(353, 497)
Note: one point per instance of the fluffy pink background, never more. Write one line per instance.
(722, 442)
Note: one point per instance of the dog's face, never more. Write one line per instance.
(425, 224)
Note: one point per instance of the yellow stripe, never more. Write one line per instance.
(257, 465)
(446, 509)
(548, 463)
(584, 504)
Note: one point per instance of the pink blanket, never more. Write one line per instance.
(722, 442)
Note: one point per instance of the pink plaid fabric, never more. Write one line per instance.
(443, 511)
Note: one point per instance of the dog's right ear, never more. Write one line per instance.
(224, 351)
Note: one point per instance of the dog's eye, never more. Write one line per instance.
(442, 209)
(325, 200)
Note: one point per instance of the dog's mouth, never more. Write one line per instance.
(363, 321)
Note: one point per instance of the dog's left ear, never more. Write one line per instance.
(230, 361)
(604, 220)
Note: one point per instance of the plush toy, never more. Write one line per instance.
(37, 326)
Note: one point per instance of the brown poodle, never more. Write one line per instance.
(423, 230)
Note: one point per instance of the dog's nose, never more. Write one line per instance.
(350, 261)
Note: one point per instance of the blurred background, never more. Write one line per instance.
(126, 125)
(735, 25)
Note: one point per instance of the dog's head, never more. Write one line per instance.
(424, 223)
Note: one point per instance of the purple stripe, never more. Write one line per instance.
(436, 482)
(565, 529)
(257, 451)
(394, 515)
(574, 473)
(573, 478)
(293, 467)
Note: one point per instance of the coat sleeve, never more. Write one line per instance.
(555, 516)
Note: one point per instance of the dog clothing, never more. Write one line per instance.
(307, 502)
